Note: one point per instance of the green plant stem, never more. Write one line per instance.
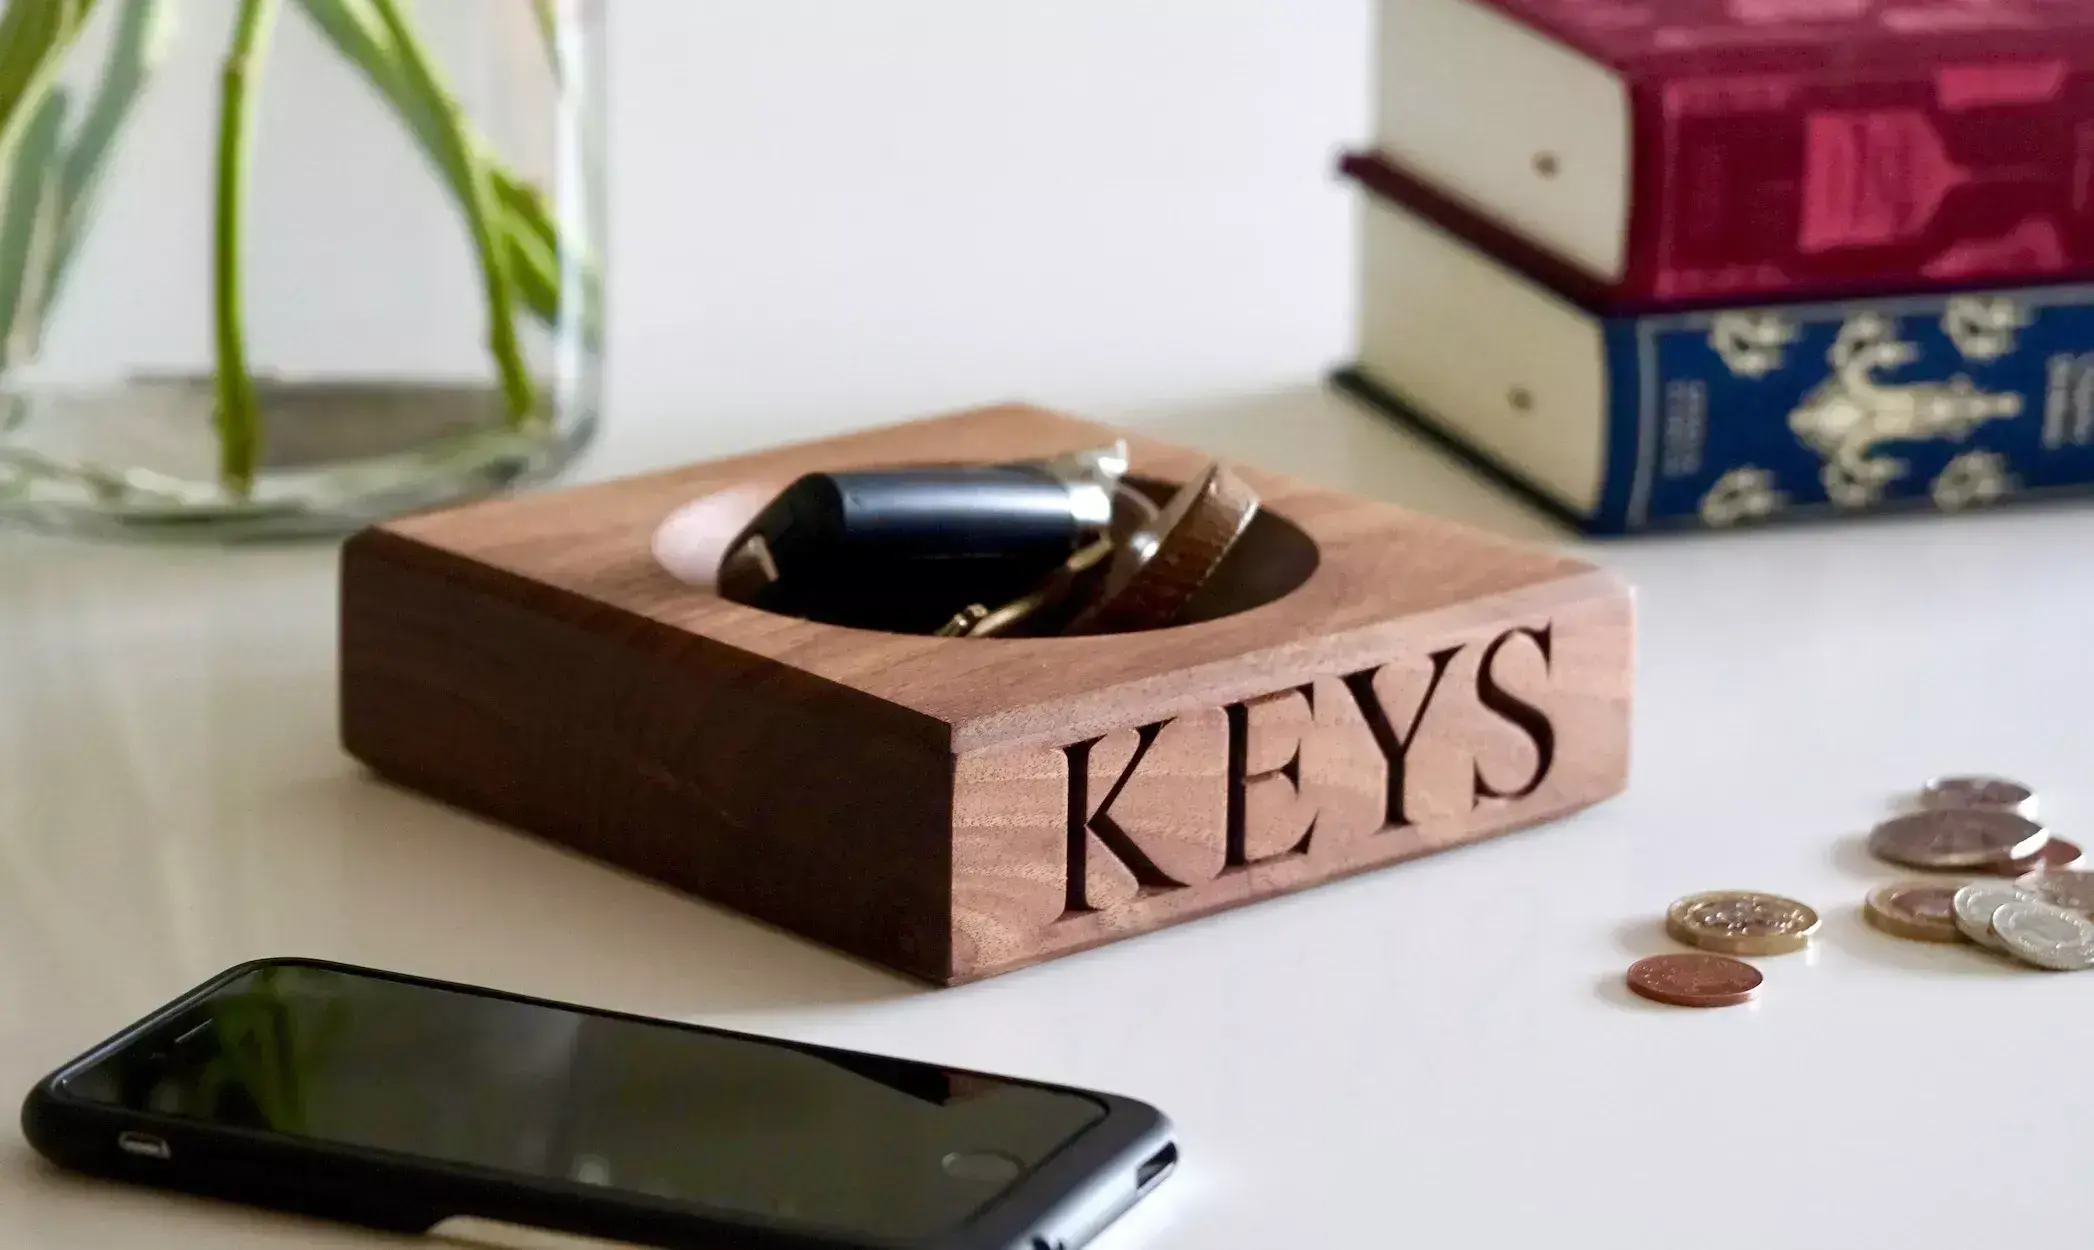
(32, 32)
(49, 185)
(461, 151)
(541, 263)
(526, 227)
(34, 37)
(141, 40)
(549, 34)
(25, 42)
(534, 245)
(238, 422)
(26, 224)
(480, 207)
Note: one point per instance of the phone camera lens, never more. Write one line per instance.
(982, 1167)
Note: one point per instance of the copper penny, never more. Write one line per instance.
(1695, 980)
(2057, 855)
(1156, 574)
(1975, 837)
(1920, 911)
(1993, 792)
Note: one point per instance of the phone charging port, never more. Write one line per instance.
(1156, 1166)
(144, 1145)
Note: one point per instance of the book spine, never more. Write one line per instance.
(1838, 179)
(1942, 402)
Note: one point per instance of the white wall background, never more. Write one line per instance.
(833, 211)
(824, 212)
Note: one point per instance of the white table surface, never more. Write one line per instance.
(1441, 1054)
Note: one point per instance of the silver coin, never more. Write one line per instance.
(1974, 837)
(1985, 792)
(1975, 905)
(2073, 891)
(2048, 937)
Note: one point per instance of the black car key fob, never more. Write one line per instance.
(903, 549)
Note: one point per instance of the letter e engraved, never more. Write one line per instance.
(1148, 810)
(1381, 692)
(1308, 774)
(1272, 816)
(1528, 718)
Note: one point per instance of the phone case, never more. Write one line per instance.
(1060, 1205)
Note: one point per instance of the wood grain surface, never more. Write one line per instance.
(956, 808)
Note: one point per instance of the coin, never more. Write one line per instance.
(1975, 837)
(1740, 922)
(1156, 574)
(1695, 980)
(2057, 855)
(1975, 905)
(2073, 891)
(2046, 936)
(1918, 910)
(1983, 792)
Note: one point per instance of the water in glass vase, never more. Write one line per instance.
(284, 267)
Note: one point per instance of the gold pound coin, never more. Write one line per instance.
(1155, 574)
(1742, 922)
(1919, 911)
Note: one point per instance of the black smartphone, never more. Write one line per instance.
(417, 1106)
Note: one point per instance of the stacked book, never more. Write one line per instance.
(1697, 263)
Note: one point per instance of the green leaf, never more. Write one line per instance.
(143, 34)
(26, 225)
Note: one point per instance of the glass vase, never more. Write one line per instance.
(284, 267)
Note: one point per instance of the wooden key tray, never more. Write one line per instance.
(1364, 686)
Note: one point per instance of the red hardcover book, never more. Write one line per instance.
(1702, 151)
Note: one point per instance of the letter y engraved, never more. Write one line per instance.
(1380, 692)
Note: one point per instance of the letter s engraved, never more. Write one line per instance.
(1520, 713)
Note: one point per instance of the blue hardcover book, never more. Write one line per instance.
(1624, 419)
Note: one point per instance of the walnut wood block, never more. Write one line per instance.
(956, 808)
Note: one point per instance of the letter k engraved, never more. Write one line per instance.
(1148, 810)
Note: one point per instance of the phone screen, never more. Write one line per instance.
(843, 1144)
